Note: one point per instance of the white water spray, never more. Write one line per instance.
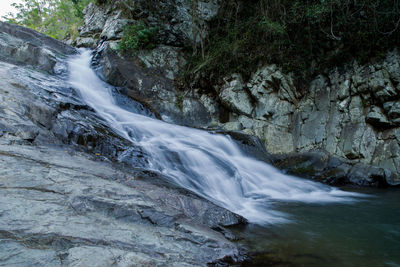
(210, 165)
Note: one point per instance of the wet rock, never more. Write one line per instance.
(19, 45)
(333, 170)
(364, 175)
(148, 79)
(309, 165)
(249, 144)
(68, 208)
(147, 86)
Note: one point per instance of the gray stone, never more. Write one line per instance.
(19, 45)
(87, 42)
(276, 139)
(394, 111)
(89, 211)
(194, 112)
(344, 90)
(381, 86)
(178, 21)
(377, 118)
(168, 60)
(234, 96)
(356, 109)
(94, 21)
(358, 141)
(212, 107)
(269, 79)
(113, 28)
(232, 126)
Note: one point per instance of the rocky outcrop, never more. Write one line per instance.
(149, 77)
(349, 115)
(178, 21)
(74, 193)
(61, 208)
(23, 46)
(148, 80)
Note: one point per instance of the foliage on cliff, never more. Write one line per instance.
(302, 36)
(137, 36)
(59, 19)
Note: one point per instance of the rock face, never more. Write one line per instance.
(179, 21)
(349, 115)
(69, 193)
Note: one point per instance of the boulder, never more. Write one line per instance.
(234, 96)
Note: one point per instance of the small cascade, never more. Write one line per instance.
(210, 165)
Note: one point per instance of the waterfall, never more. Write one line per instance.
(210, 165)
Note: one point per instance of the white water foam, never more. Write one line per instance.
(211, 165)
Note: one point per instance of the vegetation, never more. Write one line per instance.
(137, 36)
(101, 2)
(59, 19)
(302, 36)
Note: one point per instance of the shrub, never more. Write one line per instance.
(59, 19)
(136, 37)
(303, 37)
(101, 2)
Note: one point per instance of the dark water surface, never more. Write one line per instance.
(365, 233)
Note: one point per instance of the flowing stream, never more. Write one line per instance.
(210, 165)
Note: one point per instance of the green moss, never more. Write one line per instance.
(180, 101)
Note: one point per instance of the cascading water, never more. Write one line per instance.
(210, 165)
